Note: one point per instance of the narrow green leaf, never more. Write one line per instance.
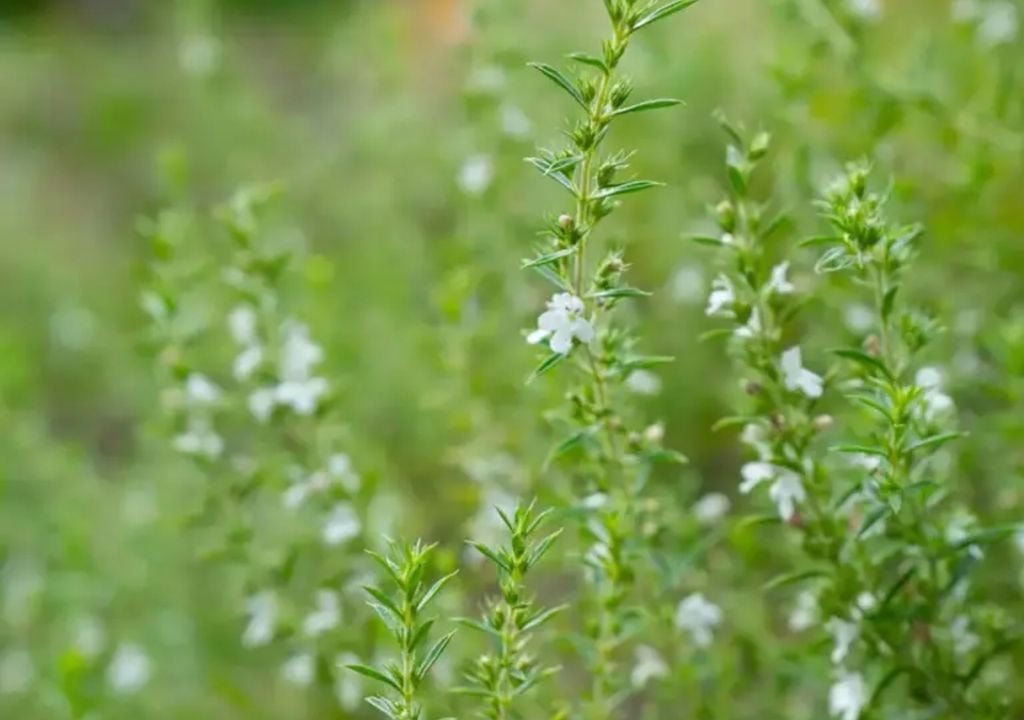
(661, 13)
(818, 240)
(552, 277)
(542, 548)
(544, 167)
(491, 555)
(646, 361)
(587, 59)
(384, 600)
(623, 292)
(733, 421)
(542, 617)
(384, 705)
(862, 358)
(708, 240)
(979, 664)
(369, 672)
(792, 578)
(549, 258)
(859, 449)
(573, 441)
(889, 301)
(549, 362)
(989, 535)
(871, 520)
(432, 656)
(668, 457)
(885, 682)
(935, 441)
(632, 186)
(434, 590)
(562, 81)
(645, 105)
(477, 625)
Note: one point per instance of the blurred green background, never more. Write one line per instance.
(398, 128)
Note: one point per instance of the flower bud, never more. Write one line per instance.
(752, 388)
(566, 222)
(873, 346)
(823, 422)
(654, 433)
(726, 214)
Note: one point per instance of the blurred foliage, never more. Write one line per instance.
(398, 130)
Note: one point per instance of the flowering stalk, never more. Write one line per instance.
(616, 459)
(402, 611)
(501, 679)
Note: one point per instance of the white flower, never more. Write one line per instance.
(16, 672)
(711, 508)
(687, 284)
(805, 612)
(261, 403)
(199, 439)
(756, 436)
(699, 618)
(299, 354)
(721, 299)
(936, 402)
(129, 670)
(728, 239)
(342, 525)
(595, 501)
(796, 377)
(844, 633)
(869, 10)
(326, 616)
(778, 283)
(200, 391)
(242, 325)
(786, 490)
(964, 640)
(339, 466)
(90, 637)
(199, 54)
(302, 396)
(958, 529)
(847, 697)
(858, 318)
(643, 382)
(514, 122)
(649, 665)
(999, 23)
(562, 322)
(866, 602)
(262, 611)
(753, 327)
(348, 688)
(299, 669)
(302, 487)
(476, 174)
(247, 362)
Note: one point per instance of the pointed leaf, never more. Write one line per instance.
(645, 105)
(562, 81)
(661, 13)
(374, 674)
(632, 186)
(432, 656)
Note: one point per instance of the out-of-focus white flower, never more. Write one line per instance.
(859, 318)
(199, 54)
(595, 501)
(698, 617)
(476, 174)
(16, 672)
(649, 665)
(262, 611)
(246, 362)
(728, 239)
(778, 283)
(721, 299)
(643, 382)
(847, 696)
(486, 79)
(936, 402)
(200, 391)
(89, 637)
(866, 602)
(348, 688)
(998, 24)
(514, 121)
(339, 467)
(199, 439)
(786, 490)
(796, 377)
(304, 486)
(964, 639)
(562, 322)
(325, 617)
(965, 10)
(844, 633)
(342, 525)
(868, 10)
(129, 670)
(959, 528)
(711, 508)
(242, 325)
(805, 612)
(752, 328)
(687, 285)
(299, 669)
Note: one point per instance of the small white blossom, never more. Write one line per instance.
(242, 325)
(342, 525)
(339, 466)
(859, 318)
(866, 602)
(261, 403)
(649, 665)
(964, 639)
(721, 299)
(199, 439)
(868, 10)
(796, 377)
(476, 174)
(778, 283)
(711, 508)
(595, 501)
(787, 492)
(262, 611)
(129, 670)
(847, 697)
(998, 24)
(756, 437)
(90, 637)
(755, 473)
(562, 322)
(200, 391)
(936, 402)
(699, 618)
(958, 529)
(199, 54)
(299, 669)
(687, 285)
(247, 362)
(514, 122)
(728, 239)
(805, 612)
(753, 326)
(643, 382)
(326, 616)
(844, 633)
(304, 486)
